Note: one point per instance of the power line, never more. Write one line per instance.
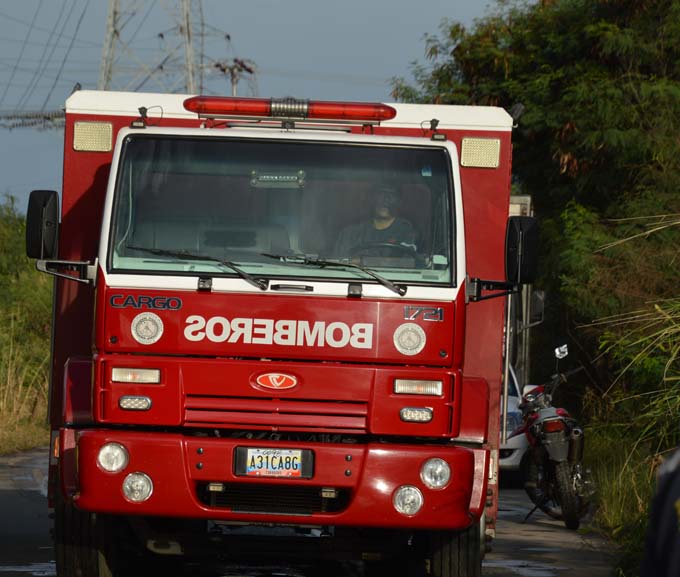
(40, 28)
(143, 21)
(39, 120)
(21, 53)
(63, 61)
(40, 68)
(78, 43)
(4, 62)
(174, 66)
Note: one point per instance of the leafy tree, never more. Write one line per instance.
(596, 145)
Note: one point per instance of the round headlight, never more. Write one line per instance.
(435, 473)
(407, 500)
(137, 487)
(113, 457)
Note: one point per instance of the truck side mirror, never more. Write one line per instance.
(42, 222)
(521, 250)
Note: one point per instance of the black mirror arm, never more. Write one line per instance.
(475, 286)
(83, 272)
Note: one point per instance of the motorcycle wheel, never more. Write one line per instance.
(566, 495)
(537, 488)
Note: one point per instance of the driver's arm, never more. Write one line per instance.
(348, 238)
(407, 235)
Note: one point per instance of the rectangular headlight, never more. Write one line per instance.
(417, 387)
(143, 376)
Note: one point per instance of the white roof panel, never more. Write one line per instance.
(408, 115)
(451, 116)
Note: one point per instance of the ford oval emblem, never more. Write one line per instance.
(277, 381)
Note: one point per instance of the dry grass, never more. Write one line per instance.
(23, 403)
(623, 472)
(24, 437)
(637, 423)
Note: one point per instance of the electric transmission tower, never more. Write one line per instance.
(133, 59)
(153, 45)
(161, 45)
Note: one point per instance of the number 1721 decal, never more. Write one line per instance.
(412, 313)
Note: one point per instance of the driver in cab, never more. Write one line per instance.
(385, 234)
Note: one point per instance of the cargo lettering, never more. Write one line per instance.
(142, 301)
(288, 332)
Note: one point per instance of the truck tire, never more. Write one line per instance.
(456, 553)
(566, 495)
(84, 543)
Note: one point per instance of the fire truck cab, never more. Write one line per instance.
(277, 313)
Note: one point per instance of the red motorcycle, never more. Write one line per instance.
(555, 479)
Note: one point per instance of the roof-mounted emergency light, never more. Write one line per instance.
(288, 108)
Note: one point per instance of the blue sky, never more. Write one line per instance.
(304, 48)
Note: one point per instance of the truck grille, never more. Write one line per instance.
(279, 414)
(273, 499)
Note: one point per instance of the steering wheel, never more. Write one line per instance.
(367, 249)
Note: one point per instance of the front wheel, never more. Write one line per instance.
(567, 496)
(455, 553)
(86, 544)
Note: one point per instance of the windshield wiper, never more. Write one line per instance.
(320, 262)
(260, 283)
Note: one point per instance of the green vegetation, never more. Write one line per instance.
(596, 146)
(25, 311)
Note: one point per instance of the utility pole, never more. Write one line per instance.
(235, 68)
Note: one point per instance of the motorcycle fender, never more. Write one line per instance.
(557, 451)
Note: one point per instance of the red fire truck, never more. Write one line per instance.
(274, 330)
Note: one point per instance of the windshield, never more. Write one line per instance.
(275, 208)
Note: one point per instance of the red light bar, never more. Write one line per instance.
(221, 106)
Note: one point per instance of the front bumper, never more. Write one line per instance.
(367, 475)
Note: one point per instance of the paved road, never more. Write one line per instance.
(540, 547)
(25, 546)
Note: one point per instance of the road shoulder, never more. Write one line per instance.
(543, 547)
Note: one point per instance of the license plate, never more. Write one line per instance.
(267, 462)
